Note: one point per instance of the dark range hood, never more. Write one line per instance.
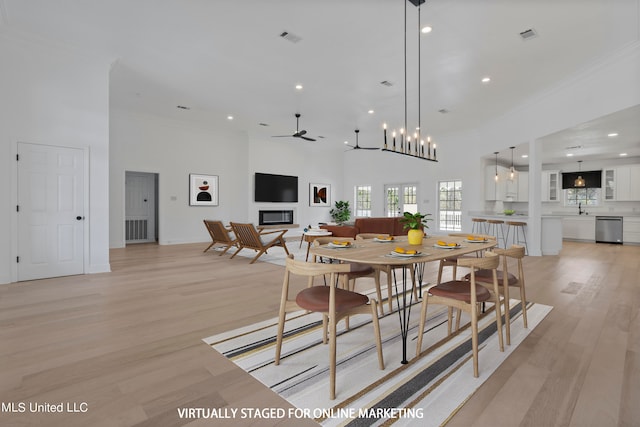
(592, 179)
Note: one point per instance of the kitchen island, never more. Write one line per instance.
(551, 236)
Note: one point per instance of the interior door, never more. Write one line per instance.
(140, 209)
(50, 211)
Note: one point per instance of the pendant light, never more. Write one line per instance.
(579, 182)
(512, 170)
(496, 153)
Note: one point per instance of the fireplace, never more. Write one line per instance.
(275, 217)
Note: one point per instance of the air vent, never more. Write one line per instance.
(575, 147)
(443, 111)
(290, 37)
(528, 34)
(182, 107)
(386, 83)
(263, 124)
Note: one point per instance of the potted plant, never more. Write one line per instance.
(340, 212)
(415, 222)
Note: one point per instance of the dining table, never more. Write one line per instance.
(383, 252)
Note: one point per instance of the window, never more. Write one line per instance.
(583, 196)
(401, 198)
(363, 201)
(450, 205)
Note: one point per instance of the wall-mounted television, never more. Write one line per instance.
(275, 188)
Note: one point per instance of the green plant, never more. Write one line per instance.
(340, 212)
(414, 221)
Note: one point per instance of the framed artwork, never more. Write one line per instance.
(203, 190)
(319, 194)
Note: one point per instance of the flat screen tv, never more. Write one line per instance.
(276, 188)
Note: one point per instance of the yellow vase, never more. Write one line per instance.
(415, 237)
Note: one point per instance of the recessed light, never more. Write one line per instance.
(524, 156)
(299, 87)
(623, 154)
(346, 142)
(371, 111)
(569, 154)
(486, 79)
(426, 30)
(229, 117)
(613, 134)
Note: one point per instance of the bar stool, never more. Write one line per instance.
(494, 228)
(478, 226)
(518, 228)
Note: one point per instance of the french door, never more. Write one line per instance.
(400, 198)
(51, 217)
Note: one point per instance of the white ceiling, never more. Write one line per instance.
(226, 57)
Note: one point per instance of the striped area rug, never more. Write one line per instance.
(426, 391)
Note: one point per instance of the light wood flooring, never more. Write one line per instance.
(128, 343)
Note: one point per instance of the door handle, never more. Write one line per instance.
(79, 218)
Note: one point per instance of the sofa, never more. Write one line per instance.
(383, 225)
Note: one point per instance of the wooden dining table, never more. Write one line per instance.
(382, 253)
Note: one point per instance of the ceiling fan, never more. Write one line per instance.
(298, 134)
(357, 146)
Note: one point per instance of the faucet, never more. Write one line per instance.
(580, 211)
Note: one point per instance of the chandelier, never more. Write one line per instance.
(403, 142)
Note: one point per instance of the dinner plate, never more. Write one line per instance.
(375, 239)
(446, 247)
(317, 233)
(394, 253)
(476, 241)
(334, 246)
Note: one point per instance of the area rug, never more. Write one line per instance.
(427, 391)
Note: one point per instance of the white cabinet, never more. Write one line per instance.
(621, 183)
(579, 228)
(523, 187)
(550, 186)
(609, 184)
(495, 190)
(631, 229)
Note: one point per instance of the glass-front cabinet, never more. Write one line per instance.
(609, 184)
(550, 186)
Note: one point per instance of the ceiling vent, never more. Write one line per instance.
(528, 34)
(443, 111)
(290, 37)
(386, 83)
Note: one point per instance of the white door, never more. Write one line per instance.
(140, 207)
(50, 211)
(400, 198)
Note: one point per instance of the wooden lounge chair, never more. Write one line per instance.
(219, 235)
(250, 237)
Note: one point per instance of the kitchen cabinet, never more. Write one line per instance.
(621, 183)
(523, 187)
(550, 186)
(631, 229)
(579, 228)
(495, 190)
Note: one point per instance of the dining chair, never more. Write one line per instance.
(220, 235)
(259, 240)
(465, 296)
(484, 277)
(356, 271)
(453, 261)
(332, 301)
(389, 271)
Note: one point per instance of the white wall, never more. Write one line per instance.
(173, 150)
(58, 97)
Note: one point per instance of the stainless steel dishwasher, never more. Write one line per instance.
(609, 229)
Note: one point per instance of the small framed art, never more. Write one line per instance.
(319, 194)
(203, 190)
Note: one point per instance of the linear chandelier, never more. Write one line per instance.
(419, 149)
